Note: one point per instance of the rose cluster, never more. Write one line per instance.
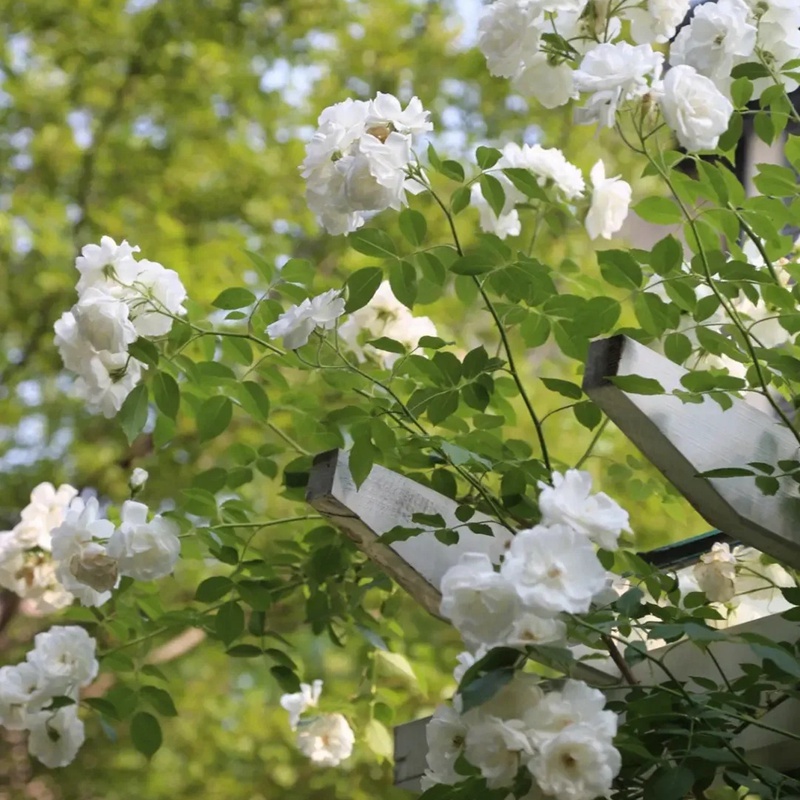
(562, 737)
(327, 739)
(558, 50)
(119, 300)
(547, 571)
(359, 157)
(26, 563)
(384, 315)
(63, 550)
(610, 201)
(61, 662)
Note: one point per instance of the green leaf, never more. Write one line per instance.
(286, 679)
(460, 199)
(471, 265)
(413, 226)
(525, 182)
(146, 733)
(234, 297)
(388, 345)
(564, 388)
(660, 210)
(493, 193)
(133, 414)
(452, 169)
(677, 347)
(372, 242)
(144, 350)
(363, 455)
(253, 399)
(361, 286)
(264, 268)
(619, 268)
(378, 739)
(487, 157)
(213, 417)
(229, 622)
(669, 783)
(588, 414)
(166, 394)
(666, 255)
(395, 664)
(637, 384)
(535, 329)
(433, 520)
(484, 688)
(213, 588)
(298, 270)
(726, 472)
(403, 281)
(160, 700)
(244, 651)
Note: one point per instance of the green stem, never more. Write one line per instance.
(504, 338)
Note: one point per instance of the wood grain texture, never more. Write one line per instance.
(684, 439)
(385, 500)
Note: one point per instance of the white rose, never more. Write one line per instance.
(715, 573)
(569, 502)
(104, 321)
(507, 224)
(531, 629)
(106, 379)
(553, 569)
(611, 198)
(446, 734)
(694, 108)
(81, 536)
(106, 265)
(23, 690)
(297, 323)
(657, 21)
(45, 512)
(145, 550)
(385, 110)
(65, 656)
(552, 85)
(56, 737)
(575, 765)
(154, 295)
(495, 746)
(480, 602)
(327, 740)
(548, 164)
(138, 479)
(613, 73)
(508, 34)
(576, 703)
(718, 37)
(297, 703)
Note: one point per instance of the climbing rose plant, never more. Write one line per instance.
(564, 591)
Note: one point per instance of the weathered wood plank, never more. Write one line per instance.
(385, 500)
(684, 439)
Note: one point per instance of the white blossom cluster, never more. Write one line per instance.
(297, 323)
(547, 570)
(564, 738)
(61, 662)
(120, 299)
(729, 576)
(26, 562)
(327, 739)
(592, 60)
(358, 159)
(62, 550)
(384, 315)
(610, 201)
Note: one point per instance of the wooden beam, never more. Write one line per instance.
(684, 439)
(385, 500)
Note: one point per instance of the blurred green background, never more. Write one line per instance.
(179, 125)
